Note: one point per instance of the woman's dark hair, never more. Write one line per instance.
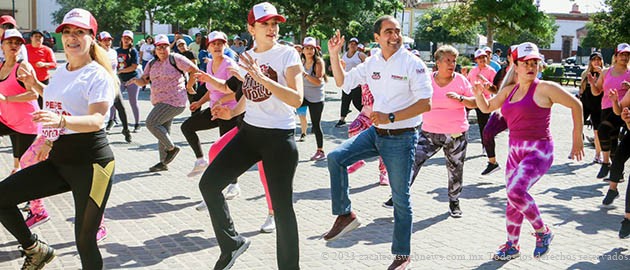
(146, 39)
(316, 59)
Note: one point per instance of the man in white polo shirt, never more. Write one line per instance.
(401, 86)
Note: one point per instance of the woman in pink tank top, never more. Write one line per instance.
(527, 109)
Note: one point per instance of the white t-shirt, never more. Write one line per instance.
(22, 56)
(396, 84)
(113, 58)
(147, 51)
(351, 62)
(262, 108)
(70, 92)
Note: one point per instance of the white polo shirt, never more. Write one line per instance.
(395, 84)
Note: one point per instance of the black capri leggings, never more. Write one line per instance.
(315, 109)
(202, 121)
(355, 97)
(278, 152)
(608, 131)
(90, 181)
(20, 142)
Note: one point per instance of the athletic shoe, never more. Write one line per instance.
(597, 160)
(127, 135)
(101, 234)
(611, 195)
(269, 225)
(26, 207)
(200, 166)
(226, 260)
(201, 206)
(159, 167)
(624, 232)
(34, 220)
(507, 252)
(136, 128)
(491, 168)
(170, 155)
(455, 211)
(110, 124)
(38, 256)
(603, 171)
(389, 204)
(401, 262)
(356, 166)
(319, 155)
(302, 137)
(343, 225)
(341, 123)
(543, 240)
(383, 180)
(233, 190)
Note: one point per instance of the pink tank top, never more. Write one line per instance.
(612, 82)
(526, 120)
(17, 115)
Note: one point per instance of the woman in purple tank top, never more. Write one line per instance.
(526, 107)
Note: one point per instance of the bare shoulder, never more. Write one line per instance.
(506, 89)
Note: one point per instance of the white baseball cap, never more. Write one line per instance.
(127, 33)
(309, 41)
(623, 47)
(80, 18)
(12, 33)
(218, 35)
(526, 51)
(263, 12)
(354, 40)
(487, 49)
(104, 35)
(480, 52)
(361, 46)
(161, 39)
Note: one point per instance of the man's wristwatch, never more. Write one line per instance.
(392, 117)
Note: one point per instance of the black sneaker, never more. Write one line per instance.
(603, 171)
(341, 123)
(170, 155)
(624, 232)
(38, 256)
(389, 204)
(302, 137)
(611, 195)
(127, 135)
(492, 167)
(136, 128)
(455, 211)
(158, 167)
(226, 261)
(110, 124)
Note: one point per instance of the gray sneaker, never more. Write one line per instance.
(38, 256)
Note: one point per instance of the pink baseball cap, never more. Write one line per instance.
(104, 35)
(127, 33)
(161, 39)
(623, 47)
(4, 19)
(80, 18)
(263, 12)
(309, 41)
(12, 33)
(217, 35)
(487, 49)
(526, 51)
(480, 52)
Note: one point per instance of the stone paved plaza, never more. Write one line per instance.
(153, 224)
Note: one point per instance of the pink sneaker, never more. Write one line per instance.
(356, 166)
(34, 220)
(101, 233)
(383, 178)
(319, 155)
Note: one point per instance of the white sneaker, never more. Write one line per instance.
(233, 190)
(201, 206)
(269, 226)
(200, 166)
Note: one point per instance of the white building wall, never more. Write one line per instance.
(45, 20)
(566, 28)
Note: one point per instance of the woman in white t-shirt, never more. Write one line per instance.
(80, 160)
(272, 88)
(147, 50)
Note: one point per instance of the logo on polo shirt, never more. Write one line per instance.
(399, 78)
(376, 76)
(254, 90)
(420, 70)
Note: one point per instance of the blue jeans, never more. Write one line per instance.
(398, 155)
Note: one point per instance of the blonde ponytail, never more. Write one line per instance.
(99, 55)
(510, 77)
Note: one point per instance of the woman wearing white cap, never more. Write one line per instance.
(127, 69)
(526, 107)
(314, 78)
(80, 160)
(353, 57)
(273, 89)
(482, 73)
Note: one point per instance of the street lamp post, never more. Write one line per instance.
(13, 8)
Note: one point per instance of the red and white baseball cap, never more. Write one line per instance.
(128, 33)
(623, 47)
(12, 33)
(263, 12)
(526, 51)
(80, 18)
(161, 39)
(104, 35)
(4, 19)
(487, 49)
(309, 41)
(480, 52)
(217, 35)
(354, 40)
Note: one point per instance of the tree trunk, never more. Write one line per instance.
(303, 27)
(151, 20)
(490, 33)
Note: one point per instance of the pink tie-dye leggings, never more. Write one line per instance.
(357, 126)
(527, 162)
(29, 158)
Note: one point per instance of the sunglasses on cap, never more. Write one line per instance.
(7, 26)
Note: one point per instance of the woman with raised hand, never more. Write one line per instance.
(76, 103)
(591, 104)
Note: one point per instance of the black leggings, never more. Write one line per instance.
(19, 142)
(621, 156)
(355, 97)
(122, 114)
(201, 91)
(482, 120)
(202, 121)
(278, 152)
(608, 131)
(315, 109)
(90, 185)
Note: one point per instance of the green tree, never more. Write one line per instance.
(431, 27)
(609, 27)
(112, 15)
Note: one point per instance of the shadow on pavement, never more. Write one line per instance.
(614, 259)
(146, 208)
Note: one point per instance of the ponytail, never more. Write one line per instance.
(99, 55)
(510, 77)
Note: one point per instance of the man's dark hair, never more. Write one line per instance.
(379, 22)
(498, 51)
